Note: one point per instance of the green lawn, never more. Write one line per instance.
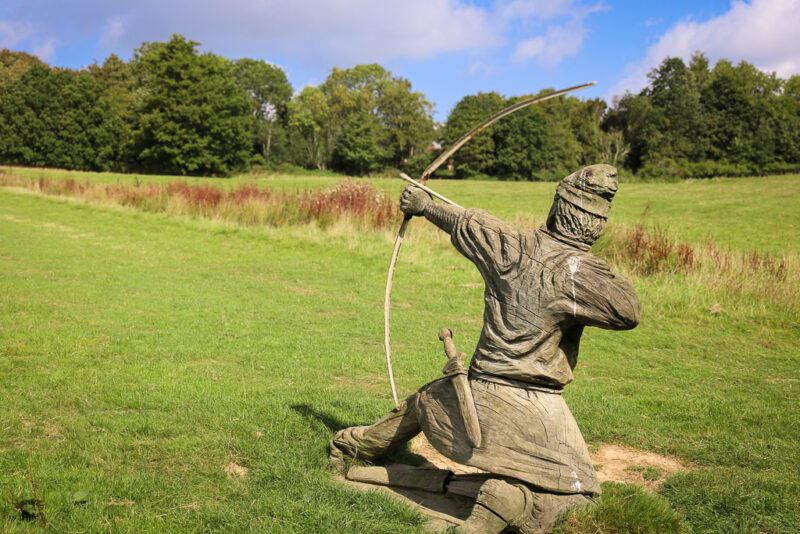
(141, 354)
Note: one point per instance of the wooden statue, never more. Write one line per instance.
(506, 415)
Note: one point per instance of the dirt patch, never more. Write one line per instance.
(237, 471)
(776, 380)
(616, 463)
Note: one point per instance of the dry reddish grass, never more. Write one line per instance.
(644, 251)
(248, 204)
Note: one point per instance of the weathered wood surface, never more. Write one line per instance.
(401, 476)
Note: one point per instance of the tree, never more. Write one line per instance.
(362, 146)
(478, 156)
(699, 67)
(115, 78)
(269, 92)
(192, 117)
(58, 119)
(675, 93)
(613, 147)
(640, 125)
(523, 143)
(309, 116)
(15, 64)
(404, 114)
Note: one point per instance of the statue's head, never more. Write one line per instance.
(582, 204)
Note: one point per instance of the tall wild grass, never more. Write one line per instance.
(356, 202)
(638, 250)
(652, 251)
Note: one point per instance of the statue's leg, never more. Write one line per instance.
(502, 505)
(499, 505)
(371, 442)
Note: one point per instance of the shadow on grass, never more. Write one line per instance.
(332, 423)
(329, 421)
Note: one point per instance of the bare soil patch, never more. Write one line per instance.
(617, 463)
(237, 471)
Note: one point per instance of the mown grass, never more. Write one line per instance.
(141, 353)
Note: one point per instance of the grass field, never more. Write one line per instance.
(144, 354)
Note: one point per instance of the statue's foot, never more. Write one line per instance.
(336, 461)
(343, 447)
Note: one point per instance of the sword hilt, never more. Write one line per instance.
(446, 336)
(456, 361)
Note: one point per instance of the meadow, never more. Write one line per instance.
(165, 366)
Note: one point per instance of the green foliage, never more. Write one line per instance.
(417, 163)
(269, 93)
(58, 118)
(174, 110)
(362, 145)
(403, 115)
(478, 156)
(309, 115)
(695, 122)
(192, 117)
(542, 142)
(15, 64)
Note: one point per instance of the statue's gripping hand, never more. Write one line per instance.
(414, 200)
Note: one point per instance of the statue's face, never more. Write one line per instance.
(601, 179)
(582, 203)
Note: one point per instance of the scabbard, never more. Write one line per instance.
(466, 404)
(456, 369)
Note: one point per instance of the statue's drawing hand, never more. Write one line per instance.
(413, 200)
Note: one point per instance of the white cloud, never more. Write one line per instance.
(563, 31)
(339, 31)
(540, 9)
(45, 50)
(12, 33)
(318, 33)
(315, 31)
(558, 42)
(762, 32)
(113, 31)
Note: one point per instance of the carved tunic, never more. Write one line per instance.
(540, 293)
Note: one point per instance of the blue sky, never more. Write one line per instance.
(446, 48)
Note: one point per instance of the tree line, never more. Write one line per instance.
(174, 110)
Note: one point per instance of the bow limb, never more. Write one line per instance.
(387, 303)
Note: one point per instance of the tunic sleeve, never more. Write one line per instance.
(491, 244)
(593, 295)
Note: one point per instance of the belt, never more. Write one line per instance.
(531, 386)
